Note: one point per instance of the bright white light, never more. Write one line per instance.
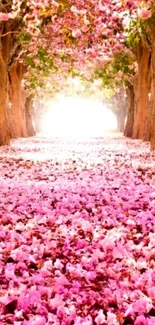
(78, 117)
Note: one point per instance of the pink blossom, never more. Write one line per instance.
(76, 33)
(100, 318)
(56, 302)
(150, 320)
(9, 271)
(77, 244)
(4, 16)
(141, 320)
(144, 13)
(58, 264)
(112, 319)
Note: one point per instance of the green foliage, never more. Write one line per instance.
(118, 71)
(24, 37)
(42, 55)
(29, 60)
(63, 57)
(122, 62)
(63, 5)
(138, 32)
(34, 82)
(105, 75)
(45, 62)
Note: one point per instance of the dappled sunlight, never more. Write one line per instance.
(78, 117)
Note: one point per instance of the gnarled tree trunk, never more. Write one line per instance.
(142, 91)
(16, 74)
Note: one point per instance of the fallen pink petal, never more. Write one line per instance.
(77, 248)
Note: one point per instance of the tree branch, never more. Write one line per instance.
(10, 32)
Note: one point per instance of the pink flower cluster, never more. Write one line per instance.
(77, 232)
(144, 13)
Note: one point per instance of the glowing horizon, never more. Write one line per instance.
(78, 117)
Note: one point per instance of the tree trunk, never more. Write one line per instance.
(142, 91)
(29, 120)
(37, 120)
(4, 125)
(8, 51)
(153, 90)
(37, 124)
(16, 100)
(119, 102)
(128, 132)
(147, 133)
(120, 122)
(11, 123)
